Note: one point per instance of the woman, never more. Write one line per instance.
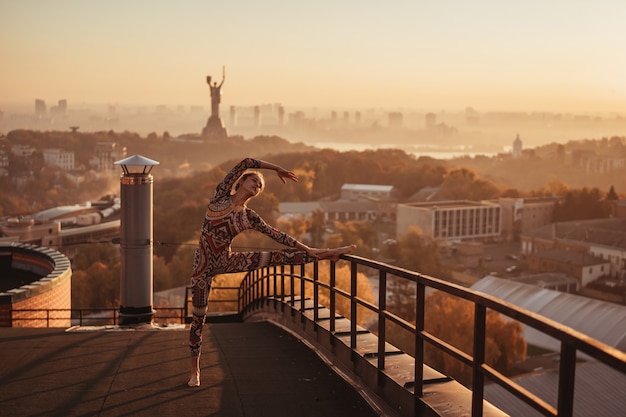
(226, 216)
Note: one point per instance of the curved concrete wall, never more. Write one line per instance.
(53, 291)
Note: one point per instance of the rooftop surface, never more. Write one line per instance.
(248, 369)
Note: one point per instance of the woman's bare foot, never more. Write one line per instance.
(194, 381)
(334, 254)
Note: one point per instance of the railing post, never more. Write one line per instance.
(420, 298)
(255, 290)
(353, 305)
(382, 307)
(332, 298)
(316, 297)
(282, 288)
(266, 287)
(478, 378)
(292, 282)
(275, 288)
(567, 377)
(302, 294)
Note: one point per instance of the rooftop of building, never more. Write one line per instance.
(248, 369)
(605, 232)
(600, 320)
(545, 278)
(367, 187)
(572, 257)
(434, 205)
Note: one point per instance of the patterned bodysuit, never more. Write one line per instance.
(214, 256)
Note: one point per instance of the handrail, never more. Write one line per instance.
(86, 316)
(255, 290)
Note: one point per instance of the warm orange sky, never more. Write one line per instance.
(554, 55)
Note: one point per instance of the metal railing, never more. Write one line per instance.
(268, 287)
(59, 317)
(104, 316)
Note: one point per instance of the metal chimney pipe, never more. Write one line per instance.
(136, 284)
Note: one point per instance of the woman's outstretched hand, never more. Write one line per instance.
(334, 253)
(284, 175)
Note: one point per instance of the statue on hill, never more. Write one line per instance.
(214, 128)
(216, 93)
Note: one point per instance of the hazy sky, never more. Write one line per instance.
(554, 55)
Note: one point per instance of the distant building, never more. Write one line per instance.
(601, 238)
(517, 147)
(430, 121)
(358, 202)
(292, 210)
(595, 164)
(619, 208)
(350, 210)
(40, 108)
(4, 159)
(522, 215)
(451, 220)
(106, 153)
(395, 119)
(280, 110)
(22, 151)
(60, 109)
(59, 158)
(62, 227)
(232, 119)
(582, 265)
(556, 281)
(366, 191)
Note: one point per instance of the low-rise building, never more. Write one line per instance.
(59, 158)
(366, 191)
(602, 238)
(451, 220)
(582, 265)
(522, 215)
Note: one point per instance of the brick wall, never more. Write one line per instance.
(51, 294)
(57, 296)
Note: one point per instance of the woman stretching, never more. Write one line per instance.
(226, 216)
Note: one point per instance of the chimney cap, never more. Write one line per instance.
(137, 160)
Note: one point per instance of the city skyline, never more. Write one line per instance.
(535, 56)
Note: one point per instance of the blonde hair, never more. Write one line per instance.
(246, 175)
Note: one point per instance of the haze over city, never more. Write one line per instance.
(557, 56)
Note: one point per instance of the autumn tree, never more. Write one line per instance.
(358, 233)
(417, 253)
(612, 195)
(464, 184)
(451, 319)
(225, 299)
(96, 276)
(582, 204)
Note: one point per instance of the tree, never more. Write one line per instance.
(416, 252)
(582, 204)
(343, 281)
(317, 226)
(96, 286)
(612, 195)
(464, 184)
(353, 232)
(226, 299)
(451, 319)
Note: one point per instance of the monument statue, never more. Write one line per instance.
(214, 128)
(216, 93)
